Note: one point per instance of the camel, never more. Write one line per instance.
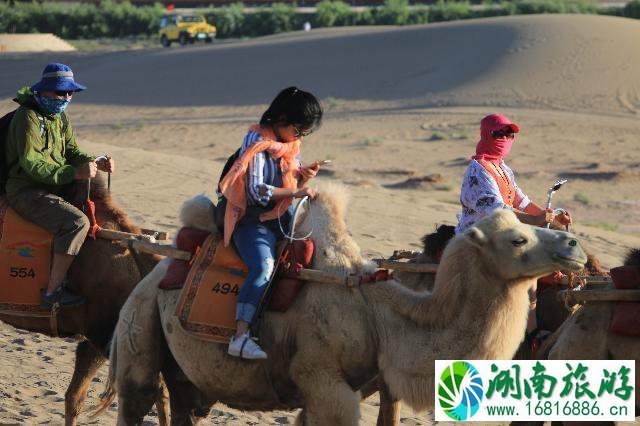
(332, 340)
(586, 335)
(104, 273)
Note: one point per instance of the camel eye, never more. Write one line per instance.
(519, 242)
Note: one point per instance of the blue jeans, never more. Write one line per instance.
(256, 245)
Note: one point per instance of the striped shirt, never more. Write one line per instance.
(480, 195)
(263, 172)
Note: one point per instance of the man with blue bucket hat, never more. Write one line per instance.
(42, 159)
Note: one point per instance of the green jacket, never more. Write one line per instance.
(38, 153)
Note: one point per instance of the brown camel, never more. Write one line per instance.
(332, 341)
(104, 273)
(586, 335)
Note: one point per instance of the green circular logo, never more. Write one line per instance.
(460, 390)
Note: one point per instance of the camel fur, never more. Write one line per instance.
(332, 341)
(585, 335)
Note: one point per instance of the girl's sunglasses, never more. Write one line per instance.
(301, 132)
(505, 133)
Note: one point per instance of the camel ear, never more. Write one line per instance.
(475, 236)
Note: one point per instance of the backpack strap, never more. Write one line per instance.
(65, 121)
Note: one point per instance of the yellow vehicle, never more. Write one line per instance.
(185, 29)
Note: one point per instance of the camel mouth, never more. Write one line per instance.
(571, 263)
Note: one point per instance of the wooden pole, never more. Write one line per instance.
(153, 248)
(408, 267)
(110, 234)
(350, 281)
(597, 280)
(573, 297)
(158, 235)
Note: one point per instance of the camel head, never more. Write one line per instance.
(335, 248)
(512, 250)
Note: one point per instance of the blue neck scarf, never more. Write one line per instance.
(52, 106)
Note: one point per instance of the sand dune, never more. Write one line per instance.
(403, 109)
(545, 61)
(33, 43)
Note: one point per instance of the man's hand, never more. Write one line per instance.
(106, 164)
(544, 218)
(86, 171)
(564, 218)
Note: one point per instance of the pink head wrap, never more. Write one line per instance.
(490, 148)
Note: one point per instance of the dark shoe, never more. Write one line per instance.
(62, 296)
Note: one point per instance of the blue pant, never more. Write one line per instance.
(256, 245)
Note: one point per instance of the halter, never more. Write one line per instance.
(296, 211)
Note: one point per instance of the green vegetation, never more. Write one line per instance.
(632, 9)
(603, 225)
(121, 19)
(369, 142)
(438, 136)
(582, 198)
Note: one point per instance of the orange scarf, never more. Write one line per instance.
(507, 188)
(233, 184)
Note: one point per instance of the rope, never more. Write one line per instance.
(53, 319)
(291, 237)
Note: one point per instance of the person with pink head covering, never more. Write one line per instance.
(489, 184)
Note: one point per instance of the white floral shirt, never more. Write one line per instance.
(480, 195)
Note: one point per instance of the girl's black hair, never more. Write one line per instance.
(294, 106)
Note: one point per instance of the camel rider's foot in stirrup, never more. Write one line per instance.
(244, 347)
(62, 296)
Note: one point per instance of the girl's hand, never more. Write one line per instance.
(309, 172)
(304, 192)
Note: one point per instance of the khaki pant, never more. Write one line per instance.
(68, 225)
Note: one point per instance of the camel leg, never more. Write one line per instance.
(328, 398)
(389, 412)
(188, 404)
(88, 362)
(162, 404)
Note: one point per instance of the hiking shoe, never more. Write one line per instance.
(244, 347)
(61, 295)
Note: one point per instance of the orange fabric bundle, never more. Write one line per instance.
(233, 184)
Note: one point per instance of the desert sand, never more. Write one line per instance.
(403, 107)
(33, 43)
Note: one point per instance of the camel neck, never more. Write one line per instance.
(462, 319)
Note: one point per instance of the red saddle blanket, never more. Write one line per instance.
(212, 280)
(25, 262)
(626, 315)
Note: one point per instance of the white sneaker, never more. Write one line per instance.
(244, 347)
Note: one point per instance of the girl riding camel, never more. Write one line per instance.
(259, 189)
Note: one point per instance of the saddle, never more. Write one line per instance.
(626, 315)
(25, 263)
(212, 279)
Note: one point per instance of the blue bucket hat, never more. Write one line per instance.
(57, 76)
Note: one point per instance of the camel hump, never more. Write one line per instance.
(199, 212)
(25, 262)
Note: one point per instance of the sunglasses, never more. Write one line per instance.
(504, 133)
(63, 92)
(301, 132)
